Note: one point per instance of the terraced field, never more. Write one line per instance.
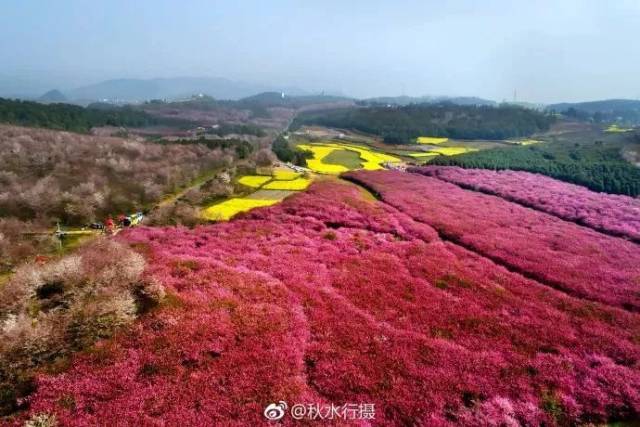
(267, 190)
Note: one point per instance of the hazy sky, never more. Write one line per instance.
(548, 50)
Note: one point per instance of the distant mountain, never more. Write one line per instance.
(52, 96)
(406, 100)
(132, 90)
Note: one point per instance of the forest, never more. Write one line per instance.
(402, 125)
(595, 165)
(75, 118)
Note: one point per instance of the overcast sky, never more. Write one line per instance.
(561, 50)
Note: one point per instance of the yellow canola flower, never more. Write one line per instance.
(226, 210)
(254, 181)
(372, 160)
(291, 185)
(528, 141)
(616, 129)
(431, 140)
(285, 174)
(319, 153)
(453, 151)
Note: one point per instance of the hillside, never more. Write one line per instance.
(51, 177)
(502, 315)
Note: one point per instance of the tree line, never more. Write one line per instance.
(75, 118)
(597, 166)
(402, 125)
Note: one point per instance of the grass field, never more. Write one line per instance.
(347, 158)
(270, 195)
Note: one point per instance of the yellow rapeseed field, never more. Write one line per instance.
(453, 151)
(617, 129)
(285, 174)
(372, 160)
(226, 210)
(254, 181)
(319, 153)
(431, 140)
(293, 184)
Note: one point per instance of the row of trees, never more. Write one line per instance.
(402, 125)
(596, 166)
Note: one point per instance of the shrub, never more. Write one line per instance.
(47, 311)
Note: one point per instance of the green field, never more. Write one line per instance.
(347, 158)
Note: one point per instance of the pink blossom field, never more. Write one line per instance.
(436, 304)
(610, 213)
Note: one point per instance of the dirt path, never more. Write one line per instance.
(197, 183)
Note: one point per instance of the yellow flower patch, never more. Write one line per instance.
(285, 174)
(371, 160)
(297, 184)
(431, 140)
(254, 181)
(453, 151)
(617, 129)
(226, 210)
